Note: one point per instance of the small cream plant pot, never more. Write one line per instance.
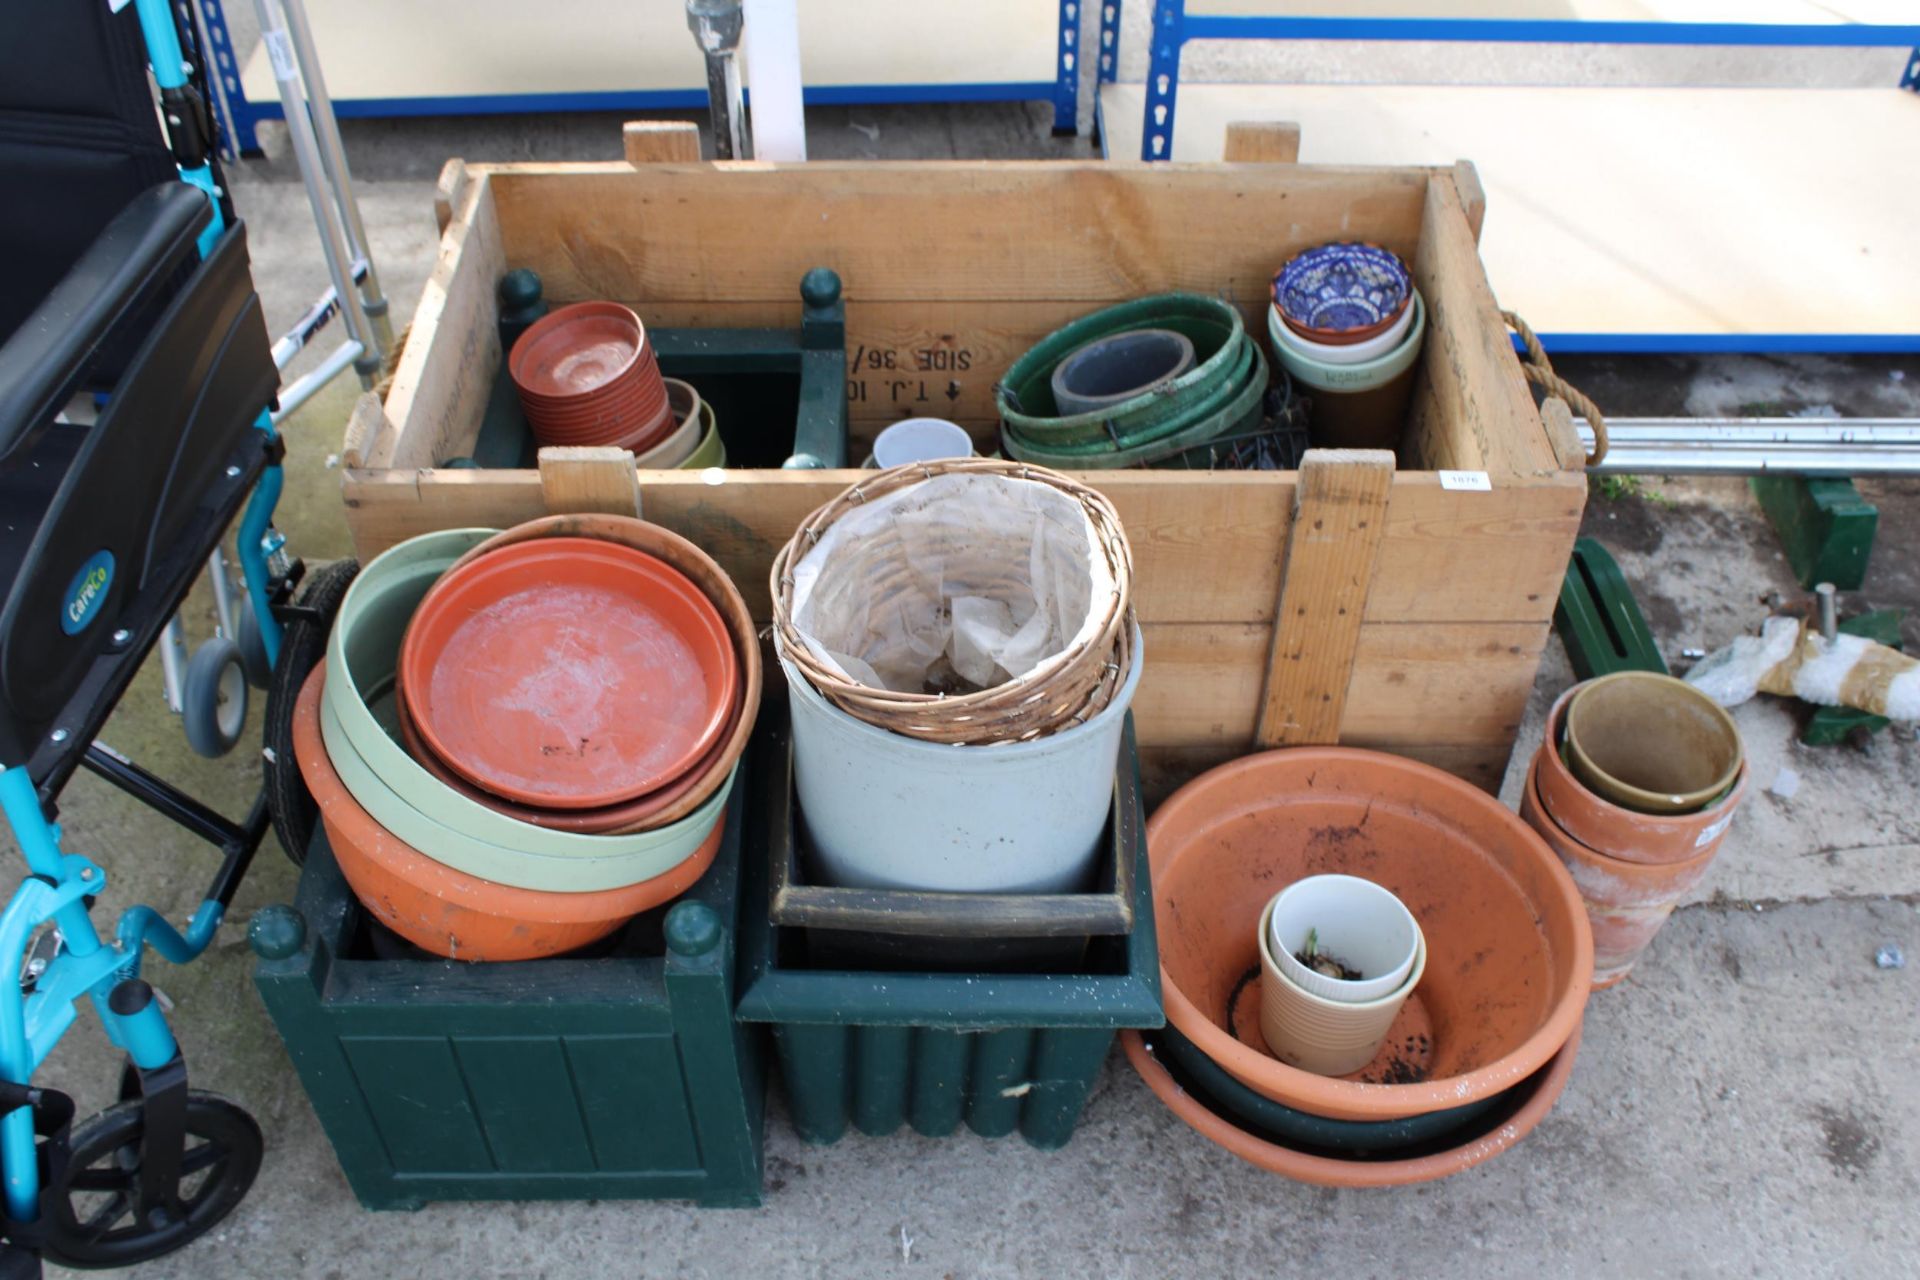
(1325, 1037)
(1356, 921)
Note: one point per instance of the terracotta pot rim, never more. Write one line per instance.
(1655, 832)
(1331, 1171)
(560, 318)
(436, 879)
(418, 655)
(1622, 867)
(1354, 1100)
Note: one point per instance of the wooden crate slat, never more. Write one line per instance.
(1086, 231)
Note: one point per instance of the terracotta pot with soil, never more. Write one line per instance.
(1626, 902)
(1510, 953)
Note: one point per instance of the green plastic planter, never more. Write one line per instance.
(618, 1077)
(998, 1051)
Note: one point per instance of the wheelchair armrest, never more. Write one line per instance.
(137, 250)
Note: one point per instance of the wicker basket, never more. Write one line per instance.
(1063, 690)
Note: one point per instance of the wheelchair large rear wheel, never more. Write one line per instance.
(303, 645)
(101, 1215)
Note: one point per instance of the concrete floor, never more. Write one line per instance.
(1745, 1105)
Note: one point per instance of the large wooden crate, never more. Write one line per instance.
(1360, 600)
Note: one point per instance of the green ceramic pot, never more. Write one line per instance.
(362, 653)
(1303, 1128)
(712, 450)
(1234, 406)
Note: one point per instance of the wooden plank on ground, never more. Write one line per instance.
(1339, 518)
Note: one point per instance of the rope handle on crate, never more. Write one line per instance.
(1539, 371)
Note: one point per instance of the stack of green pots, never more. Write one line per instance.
(1219, 395)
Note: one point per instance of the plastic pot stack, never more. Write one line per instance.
(586, 375)
(1199, 375)
(521, 740)
(1347, 325)
(1631, 864)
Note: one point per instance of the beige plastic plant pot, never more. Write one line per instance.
(1313, 1033)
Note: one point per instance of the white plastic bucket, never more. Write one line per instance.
(921, 440)
(885, 811)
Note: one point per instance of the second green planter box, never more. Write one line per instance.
(878, 1050)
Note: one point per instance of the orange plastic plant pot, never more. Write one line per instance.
(706, 574)
(1329, 1171)
(568, 673)
(1510, 954)
(677, 797)
(449, 912)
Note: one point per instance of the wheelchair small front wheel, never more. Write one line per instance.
(104, 1216)
(253, 647)
(213, 698)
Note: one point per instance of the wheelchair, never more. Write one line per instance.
(136, 389)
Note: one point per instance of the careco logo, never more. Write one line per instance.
(87, 592)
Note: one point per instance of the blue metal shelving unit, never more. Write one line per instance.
(240, 115)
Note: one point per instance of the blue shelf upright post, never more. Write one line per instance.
(1109, 40)
(1911, 78)
(236, 114)
(1163, 78)
(1066, 71)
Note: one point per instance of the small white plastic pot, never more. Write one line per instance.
(921, 440)
(1352, 919)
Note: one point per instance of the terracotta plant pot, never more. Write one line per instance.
(637, 815)
(1621, 833)
(1313, 1033)
(1650, 742)
(586, 375)
(1486, 1137)
(568, 673)
(701, 569)
(1510, 955)
(1626, 902)
(451, 913)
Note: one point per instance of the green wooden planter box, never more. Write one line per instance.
(621, 1077)
(998, 1051)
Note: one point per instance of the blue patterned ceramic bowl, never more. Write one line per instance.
(1342, 291)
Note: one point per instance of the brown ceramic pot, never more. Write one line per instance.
(1626, 902)
(1647, 741)
(711, 579)
(1509, 953)
(451, 913)
(1621, 833)
(1328, 1171)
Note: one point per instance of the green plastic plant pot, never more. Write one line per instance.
(1025, 395)
(1241, 408)
(1303, 1128)
(1366, 376)
(361, 655)
(712, 450)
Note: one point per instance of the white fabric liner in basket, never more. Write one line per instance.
(934, 571)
